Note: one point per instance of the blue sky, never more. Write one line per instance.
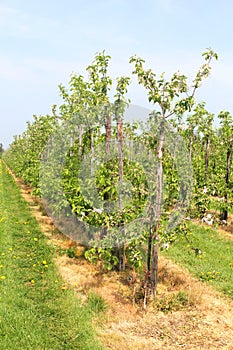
(43, 42)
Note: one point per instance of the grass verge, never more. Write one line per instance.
(36, 310)
(207, 255)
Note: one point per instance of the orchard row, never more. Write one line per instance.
(127, 184)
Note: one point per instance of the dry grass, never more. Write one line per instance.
(205, 323)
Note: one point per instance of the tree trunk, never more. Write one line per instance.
(80, 141)
(121, 248)
(224, 215)
(92, 152)
(191, 150)
(158, 205)
(154, 267)
(153, 241)
(108, 135)
(120, 154)
(207, 157)
(150, 253)
(150, 240)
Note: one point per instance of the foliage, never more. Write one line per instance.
(104, 255)
(123, 188)
(23, 156)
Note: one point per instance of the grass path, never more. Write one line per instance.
(36, 311)
(207, 255)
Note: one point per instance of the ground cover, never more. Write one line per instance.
(36, 310)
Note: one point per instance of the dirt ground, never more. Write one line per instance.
(205, 323)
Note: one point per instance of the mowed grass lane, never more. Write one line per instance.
(36, 312)
(207, 255)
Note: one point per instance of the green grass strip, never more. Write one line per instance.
(207, 255)
(36, 312)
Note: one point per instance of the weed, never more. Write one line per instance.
(173, 301)
(70, 252)
(96, 303)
